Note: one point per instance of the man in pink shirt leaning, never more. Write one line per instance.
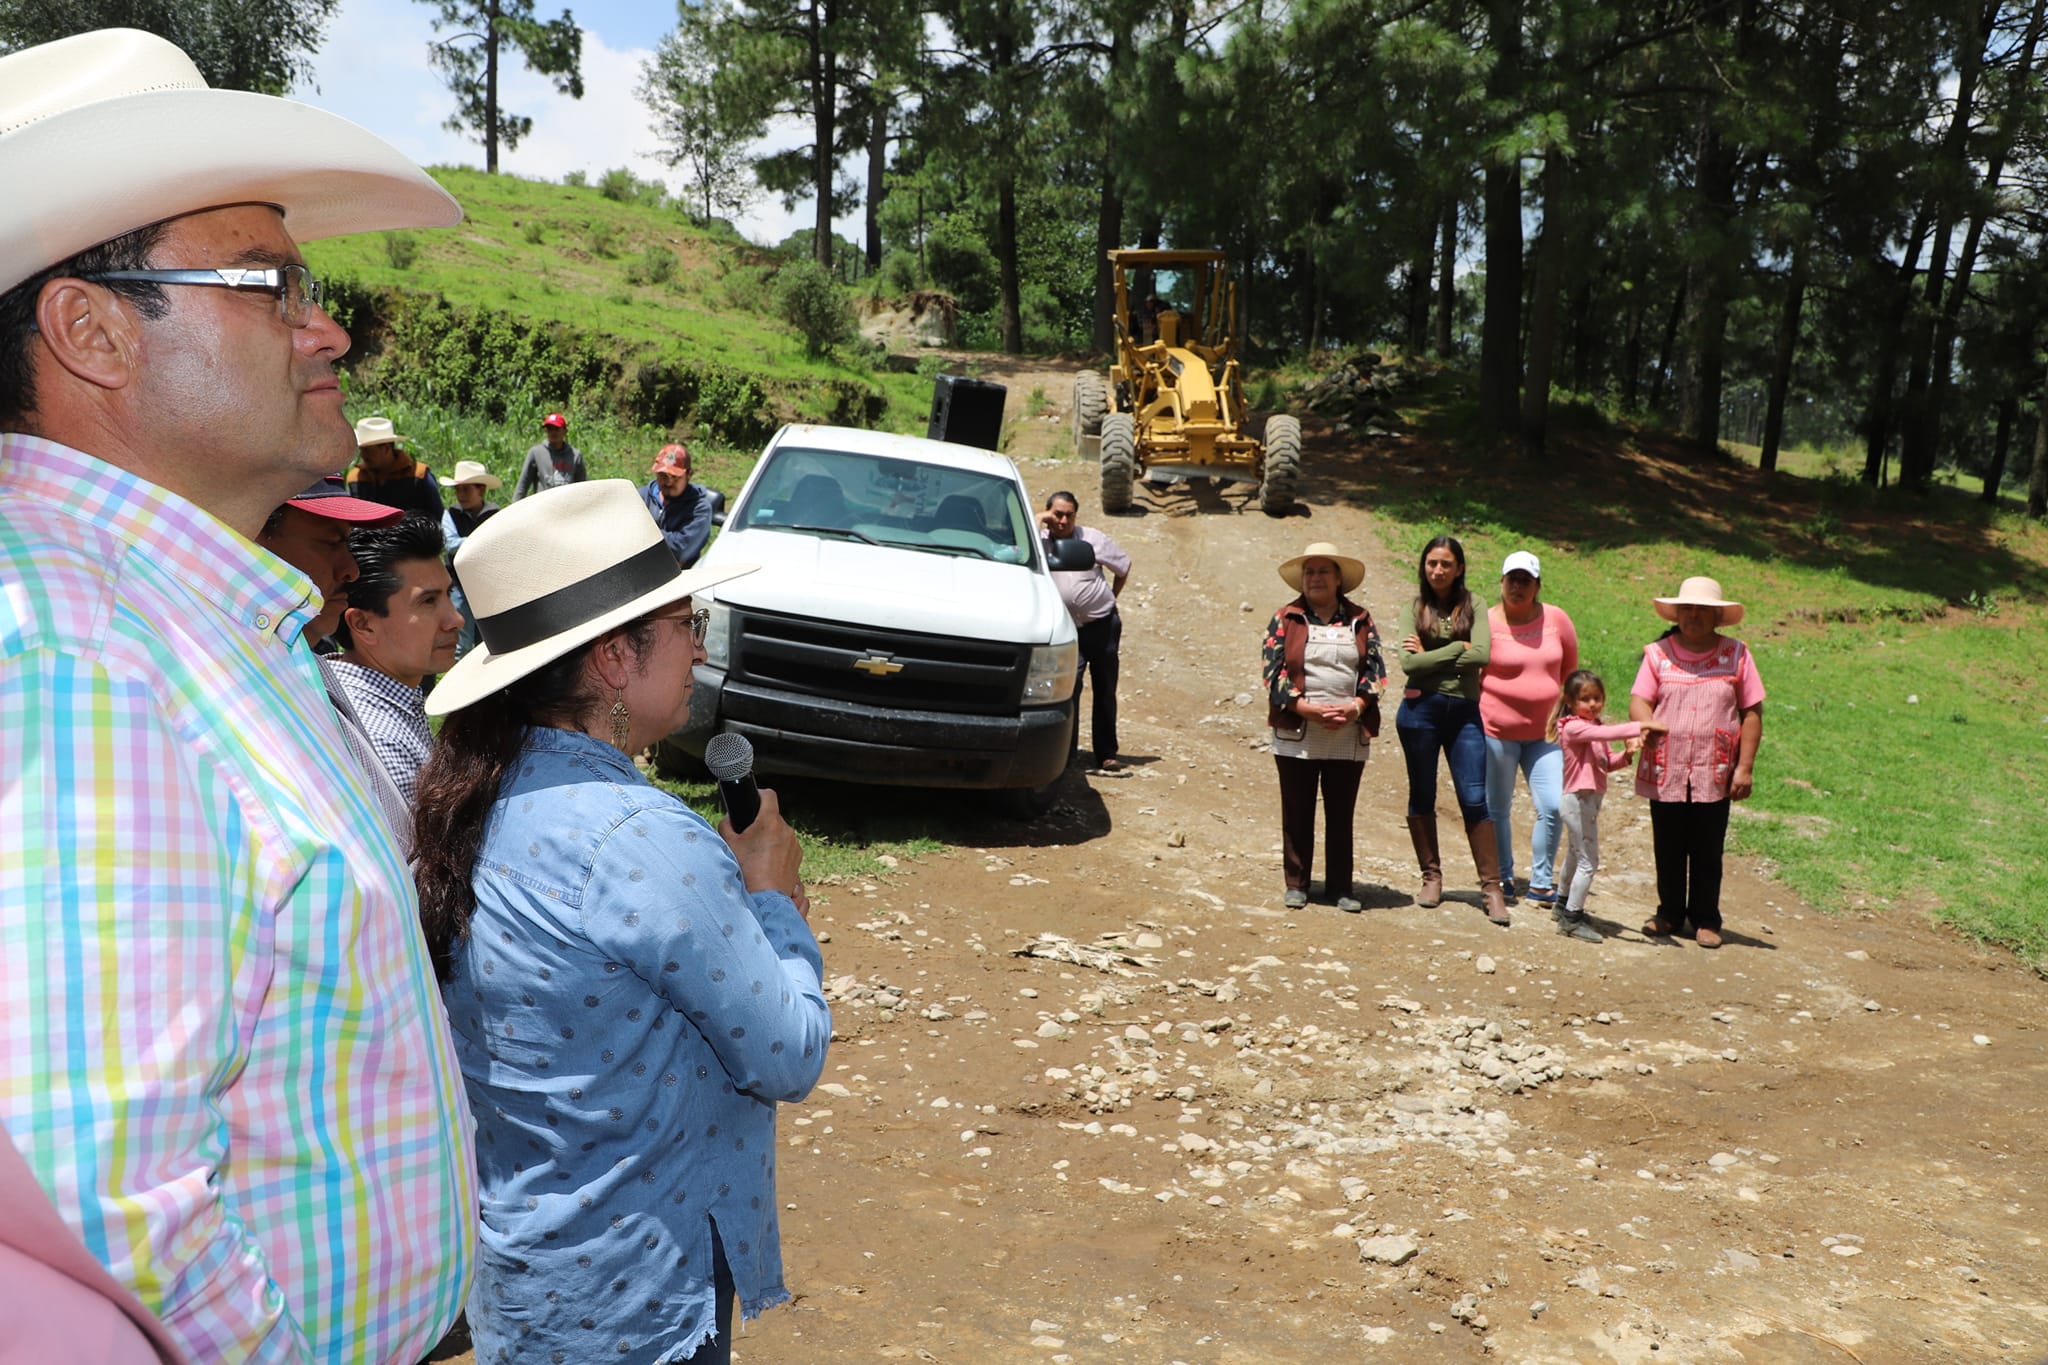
(1091, 601)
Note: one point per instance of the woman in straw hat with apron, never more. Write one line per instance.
(1323, 674)
(1704, 687)
(631, 991)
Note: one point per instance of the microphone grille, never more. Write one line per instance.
(729, 757)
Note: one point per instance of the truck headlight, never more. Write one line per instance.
(1050, 679)
(718, 637)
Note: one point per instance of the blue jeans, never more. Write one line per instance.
(1433, 724)
(1542, 762)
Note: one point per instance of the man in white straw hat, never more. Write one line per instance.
(471, 510)
(226, 1062)
(386, 472)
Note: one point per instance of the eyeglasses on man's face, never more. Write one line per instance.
(294, 287)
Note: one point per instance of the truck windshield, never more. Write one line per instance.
(890, 501)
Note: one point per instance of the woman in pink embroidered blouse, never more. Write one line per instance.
(1704, 687)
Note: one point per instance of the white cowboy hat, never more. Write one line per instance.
(469, 471)
(556, 570)
(107, 132)
(377, 431)
(1699, 592)
(1350, 572)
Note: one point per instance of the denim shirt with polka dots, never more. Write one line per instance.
(627, 1015)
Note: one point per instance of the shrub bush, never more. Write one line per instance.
(899, 272)
(960, 263)
(603, 238)
(809, 301)
(402, 249)
(656, 264)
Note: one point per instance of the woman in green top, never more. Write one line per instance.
(1443, 651)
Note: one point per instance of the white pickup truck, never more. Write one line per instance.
(903, 628)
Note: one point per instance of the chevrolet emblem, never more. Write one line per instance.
(881, 665)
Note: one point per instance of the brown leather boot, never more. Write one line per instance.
(1422, 833)
(1486, 857)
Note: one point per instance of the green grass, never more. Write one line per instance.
(834, 845)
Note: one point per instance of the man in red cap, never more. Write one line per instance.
(310, 533)
(552, 462)
(680, 508)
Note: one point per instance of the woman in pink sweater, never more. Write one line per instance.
(1534, 649)
(1582, 740)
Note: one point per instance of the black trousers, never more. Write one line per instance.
(1299, 778)
(1689, 837)
(1100, 641)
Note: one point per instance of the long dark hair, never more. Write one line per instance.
(1451, 615)
(458, 785)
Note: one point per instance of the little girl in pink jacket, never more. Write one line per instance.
(1587, 760)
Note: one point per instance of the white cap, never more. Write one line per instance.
(1526, 562)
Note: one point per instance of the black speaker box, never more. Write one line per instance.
(967, 412)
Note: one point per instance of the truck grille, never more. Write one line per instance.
(906, 669)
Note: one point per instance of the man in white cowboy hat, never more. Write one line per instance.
(471, 510)
(226, 1061)
(386, 472)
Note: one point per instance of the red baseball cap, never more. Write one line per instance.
(554, 419)
(673, 458)
(330, 498)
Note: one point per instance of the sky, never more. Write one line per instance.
(373, 71)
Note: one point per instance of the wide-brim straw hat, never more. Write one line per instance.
(556, 570)
(470, 471)
(1698, 592)
(1350, 572)
(106, 132)
(378, 431)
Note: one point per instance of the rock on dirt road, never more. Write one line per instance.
(1094, 1096)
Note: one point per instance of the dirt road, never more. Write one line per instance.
(1249, 1135)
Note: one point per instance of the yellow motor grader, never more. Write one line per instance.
(1173, 406)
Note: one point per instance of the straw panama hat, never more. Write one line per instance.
(469, 471)
(1698, 592)
(1350, 572)
(103, 133)
(556, 570)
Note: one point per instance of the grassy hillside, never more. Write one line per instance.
(552, 296)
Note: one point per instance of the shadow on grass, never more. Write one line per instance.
(1609, 486)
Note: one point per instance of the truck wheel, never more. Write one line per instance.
(1283, 463)
(1091, 403)
(1028, 803)
(1119, 460)
(677, 764)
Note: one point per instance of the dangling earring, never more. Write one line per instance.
(622, 722)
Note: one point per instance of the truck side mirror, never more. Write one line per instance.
(717, 506)
(1070, 554)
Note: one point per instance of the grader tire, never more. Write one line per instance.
(1091, 403)
(1119, 460)
(1283, 464)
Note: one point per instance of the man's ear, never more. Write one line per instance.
(362, 625)
(90, 331)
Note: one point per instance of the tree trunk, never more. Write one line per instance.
(1632, 349)
(2024, 92)
(1006, 261)
(2008, 413)
(1781, 360)
(1713, 263)
(1501, 329)
(491, 88)
(878, 181)
(1548, 286)
(1416, 291)
(1670, 340)
(2037, 486)
(1916, 434)
(1446, 276)
(1109, 210)
(1877, 417)
(824, 128)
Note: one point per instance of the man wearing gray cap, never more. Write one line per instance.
(227, 1065)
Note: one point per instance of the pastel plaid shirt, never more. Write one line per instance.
(221, 1047)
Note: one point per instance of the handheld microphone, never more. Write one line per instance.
(731, 761)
